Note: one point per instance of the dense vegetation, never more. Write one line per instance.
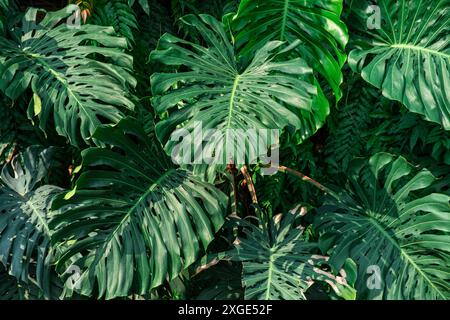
(92, 204)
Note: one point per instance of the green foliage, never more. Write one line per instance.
(144, 4)
(215, 8)
(351, 124)
(282, 192)
(25, 213)
(11, 289)
(365, 123)
(407, 133)
(79, 92)
(92, 97)
(131, 213)
(389, 217)
(16, 132)
(277, 262)
(409, 57)
(222, 94)
(220, 282)
(316, 24)
(151, 28)
(118, 14)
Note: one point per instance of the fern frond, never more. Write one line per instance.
(349, 125)
(118, 14)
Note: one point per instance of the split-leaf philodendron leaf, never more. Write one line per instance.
(316, 24)
(54, 56)
(25, 211)
(394, 226)
(133, 220)
(224, 149)
(407, 55)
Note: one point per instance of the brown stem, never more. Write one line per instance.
(250, 185)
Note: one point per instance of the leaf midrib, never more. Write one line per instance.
(269, 277)
(29, 202)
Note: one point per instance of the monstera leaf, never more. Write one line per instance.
(394, 227)
(408, 56)
(316, 24)
(56, 59)
(133, 220)
(278, 263)
(24, 215)
(213, 89)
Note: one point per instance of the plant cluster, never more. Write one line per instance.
(93, 205)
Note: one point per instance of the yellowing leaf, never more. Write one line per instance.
(37, 104)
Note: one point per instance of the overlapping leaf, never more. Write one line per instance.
(316, 24)
(213, 89)
(278, 264)
(133, 221)
(56, 58)
(24, 215)
(394, 227)
(118, 14)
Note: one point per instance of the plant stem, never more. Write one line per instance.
(309, 180)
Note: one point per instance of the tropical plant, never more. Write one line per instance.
(316, 24)
(278, 262)
(390, 218)
(116, 177)
(408, 56)
(222, 94)
(54, 60)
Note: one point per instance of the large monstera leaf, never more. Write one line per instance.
(278, 262)
(24, 215)
(58, 61)
(409, 56)
(133, 220)
(213, 89)
(316, 24)
(394, 227)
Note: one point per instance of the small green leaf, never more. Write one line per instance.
(70, 194)
(37, 104)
